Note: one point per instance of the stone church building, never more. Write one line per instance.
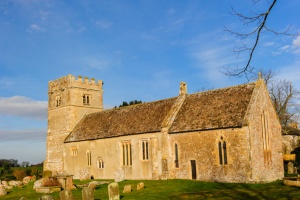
(228, 135)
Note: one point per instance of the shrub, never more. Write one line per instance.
(19, 174)
(9, 178)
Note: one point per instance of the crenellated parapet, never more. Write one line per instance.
(71, 81)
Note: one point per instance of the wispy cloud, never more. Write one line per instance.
(24, 107)
(296, 45)
(23, 135)
(104, 24)
(36, 28)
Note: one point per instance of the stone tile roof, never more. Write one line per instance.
(215, 109)
(129, 120)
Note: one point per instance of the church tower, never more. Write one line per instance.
(69, 99)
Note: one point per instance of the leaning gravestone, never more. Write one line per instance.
(46, 197)
(113, 191)
(87, 193)
(66, 195)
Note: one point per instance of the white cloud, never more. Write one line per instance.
(23, 135)
(23, 107)
(296, 45)
(291, 73)
(36, 28)
(104, 24)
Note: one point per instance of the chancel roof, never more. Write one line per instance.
(214, 109)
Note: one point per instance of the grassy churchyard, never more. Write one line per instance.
(176, 189)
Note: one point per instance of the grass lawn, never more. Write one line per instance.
(178, 189)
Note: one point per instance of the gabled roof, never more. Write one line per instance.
(215, 109)
(129, 120)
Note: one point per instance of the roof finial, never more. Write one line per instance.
(259, 76)
(183, 88)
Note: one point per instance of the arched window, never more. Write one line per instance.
(222, 151)
(100, 163)
(176, 156)
(89, 158)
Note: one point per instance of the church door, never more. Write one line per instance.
(193, 167)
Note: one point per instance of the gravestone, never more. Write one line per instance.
(113, 191)
(140, 186)
(46, 197)
(2, 190)
(119, 175)
(290, 168)
(66, 195)
(127, 189)
(87, 193)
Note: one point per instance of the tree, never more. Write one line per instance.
(25, 164)
(129, 103)
(259, 20)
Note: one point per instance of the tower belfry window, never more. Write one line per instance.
(86, 99)
(57, 101)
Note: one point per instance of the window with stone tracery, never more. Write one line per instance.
(86, 99)
(222, 151)
(126, 153)
(74, 151)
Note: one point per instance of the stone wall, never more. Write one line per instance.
(110, 152)
(266, 148)
(203, 148)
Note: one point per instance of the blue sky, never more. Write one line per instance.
(140, 49)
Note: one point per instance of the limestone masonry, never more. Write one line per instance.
(230, 134)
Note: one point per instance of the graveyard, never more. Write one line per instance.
(170, 189)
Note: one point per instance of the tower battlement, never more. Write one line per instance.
(71, 81)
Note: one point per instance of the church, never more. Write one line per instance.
(230, 134)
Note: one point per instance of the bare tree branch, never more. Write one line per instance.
(260, 20)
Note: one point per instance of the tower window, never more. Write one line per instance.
(57, 101)
(86, 99)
